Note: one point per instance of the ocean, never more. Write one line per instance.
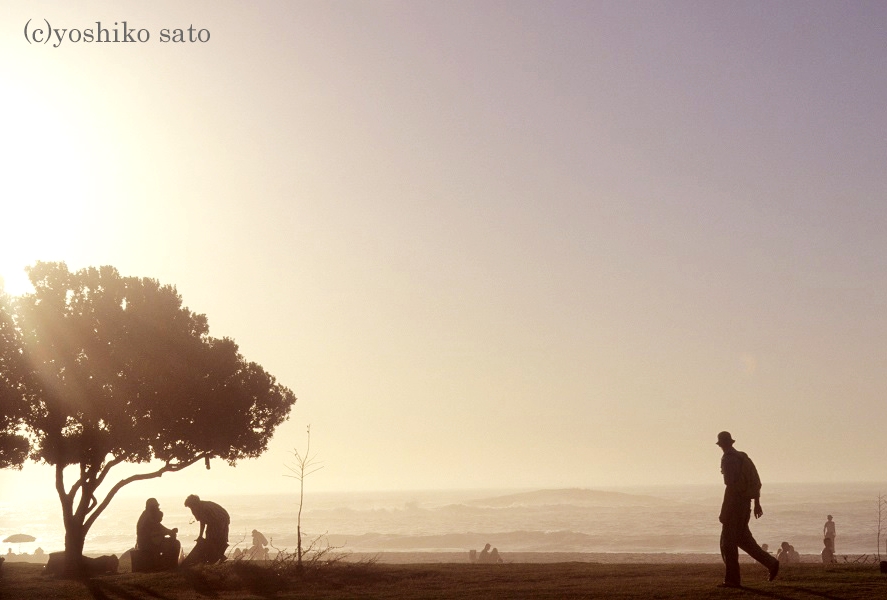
(670, 519)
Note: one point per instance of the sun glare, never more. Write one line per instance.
(42, 190)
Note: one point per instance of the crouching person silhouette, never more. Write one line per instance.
(214, 520)
(157, 546)
(742, 487)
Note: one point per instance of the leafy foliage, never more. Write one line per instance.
(114, 369)
(120, 367)
(13, 445)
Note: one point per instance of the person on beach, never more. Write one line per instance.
(782, 554)
(156, 543)
(214, 520)
(828, 530)
(258, 551)
(742, 487)
(828, 552)
(484, 556)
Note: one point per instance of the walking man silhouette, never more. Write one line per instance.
(742, 486)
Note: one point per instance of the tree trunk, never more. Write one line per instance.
(75, 531)
(299, 545)
(75, 536)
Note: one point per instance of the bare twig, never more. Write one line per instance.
(304, 466)
(882, 515)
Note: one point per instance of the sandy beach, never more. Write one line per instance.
(442, 580)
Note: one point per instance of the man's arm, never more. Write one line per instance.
(759, 512)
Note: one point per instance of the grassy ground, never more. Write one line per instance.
(487, 582)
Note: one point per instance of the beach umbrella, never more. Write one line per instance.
(20, 538)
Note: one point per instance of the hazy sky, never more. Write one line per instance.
(487, 244)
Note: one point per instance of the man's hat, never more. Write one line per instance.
(725, 439)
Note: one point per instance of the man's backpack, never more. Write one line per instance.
(749, 481)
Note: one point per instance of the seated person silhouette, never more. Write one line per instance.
(484, 556)
(494, 556)
(158, 548)
(258, 550)
(784, 554)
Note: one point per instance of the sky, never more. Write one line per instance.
(515, 244)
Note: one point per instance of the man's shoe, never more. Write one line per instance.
(727, 584)
(774, 571)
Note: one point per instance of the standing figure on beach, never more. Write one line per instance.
(828, 552)
(828, 530)
(214, 520)
(742, 487)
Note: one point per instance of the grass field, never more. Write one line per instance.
(488, 582)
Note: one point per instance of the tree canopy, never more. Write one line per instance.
(116, 370)
(13, 405)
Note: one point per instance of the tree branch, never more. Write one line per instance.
(167, 468)
(60, 480)
(77, 485)
(108, 466)
(66, 500)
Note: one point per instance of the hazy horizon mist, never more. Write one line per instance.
(511, 245)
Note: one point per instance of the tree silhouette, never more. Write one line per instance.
(115, 371)
(13, 406)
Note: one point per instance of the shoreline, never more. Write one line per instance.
(443, 557)
(537, 557)
(604, 558)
